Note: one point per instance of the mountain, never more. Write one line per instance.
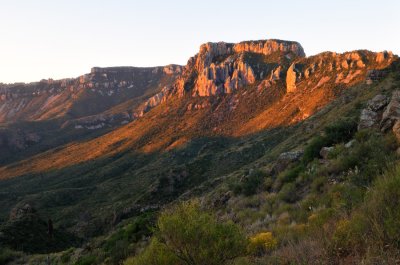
(94, 152)
(36, 113)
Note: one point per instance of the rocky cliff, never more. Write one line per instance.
(86, 95)
(226, 89)
(223, 68)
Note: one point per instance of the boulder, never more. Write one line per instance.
(286, 158)
(350, 143)
(377, 103)
(325, 151)
(368, 119)
(391, 113)
(19, 212)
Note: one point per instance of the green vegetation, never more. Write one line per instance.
(339, 132)
(262, 243)
(7, 255)
(191, 236)
(250, 184)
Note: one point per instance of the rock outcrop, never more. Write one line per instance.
(285, 159)
(21, 211)
(222, 68)
(87, 95)
(392, 112)
(371, 115)
(269, 47)
(325, 151)
(291, 78)
(382, 113)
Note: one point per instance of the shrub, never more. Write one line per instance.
(7, 255)
(382, 209)
(349, 236)
(338, 132)
(318, 184)
(66, 255)
(374, 228)
(262, 243)
(194, 237)
(155, 254)
(118, 245)
(341, 131)
(86, 260)
(250, 184)
(288, 193)
(313, 148)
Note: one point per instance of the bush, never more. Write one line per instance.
(192, 236)
(341, 131)
(155, 254)
(374, 228)
(250, 184)
(118, 246)
(7, 255)
(318, 184)
(288, 193)
(86, 260)
(313, 148)
(349, 236)
(382, 209)
(338, 132)
(262, 243)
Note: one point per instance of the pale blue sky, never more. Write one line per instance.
(64, 38)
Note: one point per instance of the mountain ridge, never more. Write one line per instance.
(284, 88)
(117, 152)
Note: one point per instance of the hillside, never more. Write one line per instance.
(232, 128)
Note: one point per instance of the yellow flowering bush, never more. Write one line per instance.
(262, 243)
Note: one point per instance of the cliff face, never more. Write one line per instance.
(89, 94)
(229, 89)
(336, 69)
(221, 68)
(118, 95)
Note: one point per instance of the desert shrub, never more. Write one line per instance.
(262, 243)
(7, 255)
(341, 131)
(155, 254)
(66, 255)
(193, 237)
(308, 251)
(339, 149)
(318, 184)
(348, 236)
(250, 184)
(346, 196)
(291, 174)
(369, 157)
(313, 148)
(382, 209)
(375, 226)
(86, 260)
(288, 193)
(317, 219)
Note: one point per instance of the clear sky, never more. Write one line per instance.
(65, 38)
